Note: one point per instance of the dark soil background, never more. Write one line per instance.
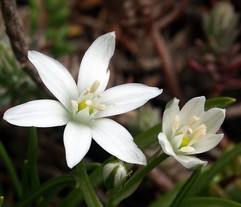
(158, 43)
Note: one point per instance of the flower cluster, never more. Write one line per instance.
(83, 108)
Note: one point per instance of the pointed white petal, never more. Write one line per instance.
(94, 65)
(56, 78)
(213, 119)
(165, 144)
(116, 140)
(206, 143)
(190, 162)
(194, 107)
(77, 141)
(126, 97)
(171, 110)
(40, 113)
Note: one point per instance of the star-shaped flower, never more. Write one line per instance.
(190, 130)
(83, 108)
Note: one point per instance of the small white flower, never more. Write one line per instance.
(190, 131)
(83, 107)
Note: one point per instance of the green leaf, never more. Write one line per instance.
(167, 199)
(219, 102)
(46, 187)
(72, 199)
(75, 196)
(86, 187)
(10, 169)
(190, 183)
(148, 137)
(204, 179)
(209, 202)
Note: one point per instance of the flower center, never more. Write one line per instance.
(89, 100)
(192, 132)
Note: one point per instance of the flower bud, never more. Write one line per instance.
(114, 174)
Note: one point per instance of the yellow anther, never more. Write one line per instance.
(193, 121)
(200, 131)
(187, 149)
(100, 107)
(89, 103)
(94, 86)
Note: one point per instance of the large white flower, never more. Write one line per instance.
(190, 131)
(83, 107)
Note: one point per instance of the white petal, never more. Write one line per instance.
(165, 144)
(190, 162)
(171, 110)
(94, 65)
(116, 140)
(56, 78)
(194, 107)
(40, 113)
(77, 141)
(206, 143)
(213, 119)
(126, 97)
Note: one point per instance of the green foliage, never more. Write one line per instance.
(220, 27)
(57, 27)
(209, 202)
(219, 102)
(12, 78)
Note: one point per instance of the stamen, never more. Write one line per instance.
(187, 149)
(200, 131)
(189, 132)
(100, 107)
(89, 103)
(175, 125)
(94, 86)
(193, 120)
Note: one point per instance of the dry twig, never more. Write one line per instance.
(16, 36)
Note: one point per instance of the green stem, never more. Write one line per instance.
(137, 178)
(32, 157)
(90, 197)
(1, 201)
(10, 169)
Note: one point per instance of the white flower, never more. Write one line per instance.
(83, 107)
(190, 131)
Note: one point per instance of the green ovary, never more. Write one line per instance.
(185, 142)
(83, 104)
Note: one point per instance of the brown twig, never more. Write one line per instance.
(171, 16)
(16, 36)
(162, 50)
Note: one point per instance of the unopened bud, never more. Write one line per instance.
(114, 174)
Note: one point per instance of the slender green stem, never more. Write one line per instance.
(11, 170)
(90, 197)
(137, 178)
(32, 157)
